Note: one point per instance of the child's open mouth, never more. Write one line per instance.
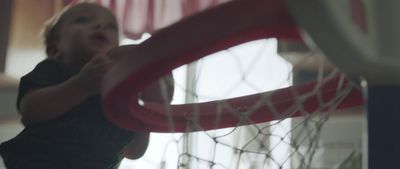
(99, 39)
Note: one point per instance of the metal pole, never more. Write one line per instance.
(5, 24)
(383, 127)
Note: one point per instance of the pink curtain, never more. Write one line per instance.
(139, 16)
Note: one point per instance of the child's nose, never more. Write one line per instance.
(99, 25)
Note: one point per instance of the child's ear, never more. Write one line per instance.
(53, 53)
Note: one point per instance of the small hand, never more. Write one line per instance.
(92, 73)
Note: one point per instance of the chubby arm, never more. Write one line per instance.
(43, 104)
(137, 147)
(47, 103)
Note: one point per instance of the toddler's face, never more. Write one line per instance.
(86, 29)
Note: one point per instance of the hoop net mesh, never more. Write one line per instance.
(290, 141)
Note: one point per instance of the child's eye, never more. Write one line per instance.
(112, 26)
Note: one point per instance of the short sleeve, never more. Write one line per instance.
(46, 73)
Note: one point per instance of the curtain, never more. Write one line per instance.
(146, 16)
(139, 16)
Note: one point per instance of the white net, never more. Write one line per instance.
(285, 143)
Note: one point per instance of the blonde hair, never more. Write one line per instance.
(49, 32)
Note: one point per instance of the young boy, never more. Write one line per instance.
(60, 103)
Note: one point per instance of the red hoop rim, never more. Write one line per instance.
(262, 19)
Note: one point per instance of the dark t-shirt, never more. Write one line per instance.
(81, 138)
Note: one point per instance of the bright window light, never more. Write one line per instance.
(127, 41)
